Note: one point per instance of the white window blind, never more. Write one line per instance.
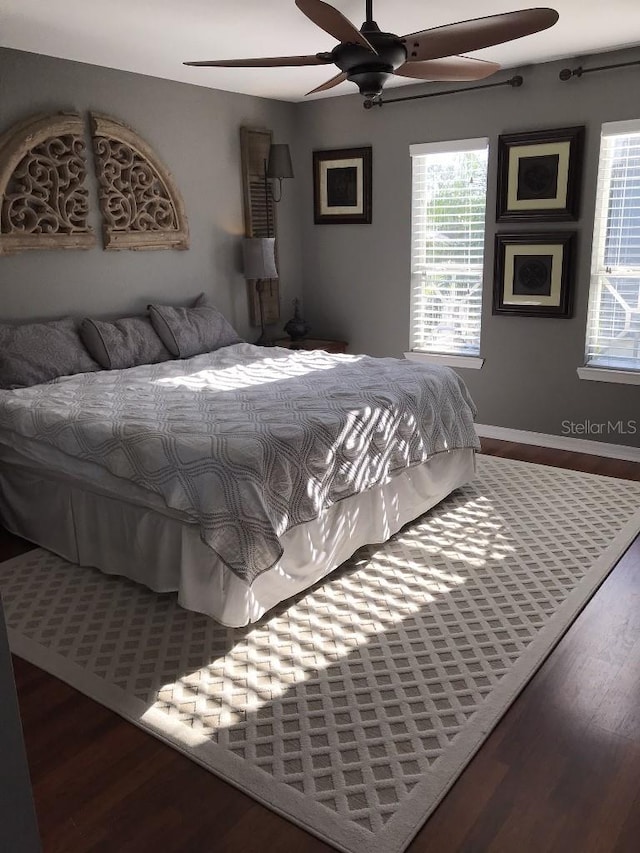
(447, 247)
(613, 328)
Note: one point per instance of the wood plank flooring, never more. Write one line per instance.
(561, 772)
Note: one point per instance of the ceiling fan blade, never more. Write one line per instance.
(333, 22)
(476, 34)
(339, 78)
(266, 62)
(453, 68)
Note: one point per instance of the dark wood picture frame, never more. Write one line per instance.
(539, 175)
(342, 186)
(534, 283)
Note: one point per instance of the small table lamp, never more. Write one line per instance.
(260, 266)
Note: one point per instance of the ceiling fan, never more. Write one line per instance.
(368, 57)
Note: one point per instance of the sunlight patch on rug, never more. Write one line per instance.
(296, 646)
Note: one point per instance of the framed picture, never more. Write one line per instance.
(342, 186)
(534, 274)
(539, 175)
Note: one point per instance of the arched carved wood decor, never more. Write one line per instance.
(140, 204)
(44, 202)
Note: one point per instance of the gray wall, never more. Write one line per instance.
(357, 276)
(195, 131)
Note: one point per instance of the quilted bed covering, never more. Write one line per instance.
(247, 441)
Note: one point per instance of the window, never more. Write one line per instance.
(447, 247)
(613, 328)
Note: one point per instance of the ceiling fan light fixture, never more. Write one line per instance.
(370, 83)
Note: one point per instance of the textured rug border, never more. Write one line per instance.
(404, 825)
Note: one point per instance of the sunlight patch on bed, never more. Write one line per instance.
(259, 372)
(371, 446)
(259, 664)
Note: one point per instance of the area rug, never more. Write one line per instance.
(351, 709)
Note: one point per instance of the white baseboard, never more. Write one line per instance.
(561, 442)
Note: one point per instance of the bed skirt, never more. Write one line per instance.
(159, 549)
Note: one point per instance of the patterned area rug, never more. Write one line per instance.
(352, 709)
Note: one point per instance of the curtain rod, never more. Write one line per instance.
(515, 82)
(568, 73)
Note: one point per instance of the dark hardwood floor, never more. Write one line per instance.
(561, 771)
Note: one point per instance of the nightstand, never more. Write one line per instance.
(312, 343)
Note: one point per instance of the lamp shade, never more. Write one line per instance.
(279, 165)
(259, 255)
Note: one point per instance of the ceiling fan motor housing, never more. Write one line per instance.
(367, 70)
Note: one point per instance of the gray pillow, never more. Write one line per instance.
(190, 331)
(33, 353)
(123, 343)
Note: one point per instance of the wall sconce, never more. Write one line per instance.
(277, 168)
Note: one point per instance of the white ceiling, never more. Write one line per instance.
(155, 36)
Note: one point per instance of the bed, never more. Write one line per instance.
(236, 478)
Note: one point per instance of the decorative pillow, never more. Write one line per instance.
(33, 353)
(190, 331)
(123, 343)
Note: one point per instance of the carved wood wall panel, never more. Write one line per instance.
(259, 215)
(140, 204)
(44, 203)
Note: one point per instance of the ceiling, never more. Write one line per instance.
(154, 36)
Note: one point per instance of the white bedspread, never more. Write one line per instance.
(247, 441)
